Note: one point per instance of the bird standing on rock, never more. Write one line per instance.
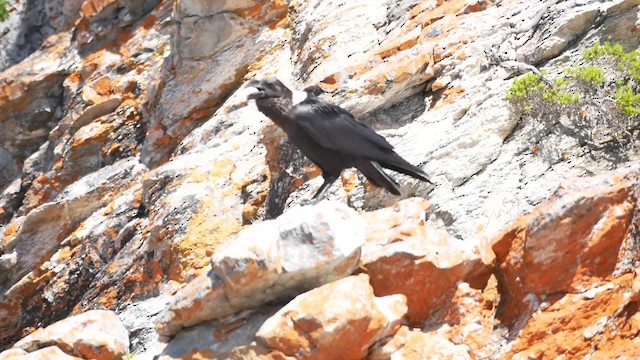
(330, 136)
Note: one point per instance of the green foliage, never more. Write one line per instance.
(529, 85)
(597, 103)
(560, 82)
(626, 61)
(597, 51)
(4, 10)
(561, 97)
(627, 100)
(524, 86)
(590, 74)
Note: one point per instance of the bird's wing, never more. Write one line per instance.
(335, 128)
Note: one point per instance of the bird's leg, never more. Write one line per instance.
(328, 180)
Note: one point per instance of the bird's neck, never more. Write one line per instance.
(279, 110)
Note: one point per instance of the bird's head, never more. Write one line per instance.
(268, 88)
(314, 90)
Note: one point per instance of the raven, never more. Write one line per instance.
(330, 136)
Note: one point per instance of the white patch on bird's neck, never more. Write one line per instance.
(298, 97)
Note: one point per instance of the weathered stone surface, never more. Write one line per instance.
(412, 50)
(207, 27)
(269, 261)
(212, 64)
(560, 31)
(34, 237)
(585, 230)
(10, 201)
(47, 353)
(99, 83)
(30, 24)
(31, 96)
(137, 318)
(195, 207)
(233, 338)
(50, 290)
(404, 255)
(12, 354)
(102, 123)
(411, 344)
(101, 20)
(600, 321)
(464, 328)
(321, 47)
(96, 334)
(340, 319)
(8, 168)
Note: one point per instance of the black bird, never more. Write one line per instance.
(330, 136)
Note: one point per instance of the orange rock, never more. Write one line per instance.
(462, 329)
(599, 323)
(92, 7)
(414, 344)
(89, 136)
(103, 86)
(470, 319)
(47, 353)
(565, 245)
(96, 94)
(340, 320)
(272, 12)
(403, 256)
(96, 334)
(39, 75)
(41, 191)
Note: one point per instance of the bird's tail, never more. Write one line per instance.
(396, 163)
(377, 176)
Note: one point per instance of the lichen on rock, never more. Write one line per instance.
(148, 209)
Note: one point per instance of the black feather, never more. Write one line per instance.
(331, 137)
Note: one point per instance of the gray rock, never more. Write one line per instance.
(8, 169)
(32, 91)
(233, 338)
(319, 41)
(268, 261)
(39, 232)
(10, 200)
(31, 24)
(138, 318)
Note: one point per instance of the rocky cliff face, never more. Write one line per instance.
(147, 208)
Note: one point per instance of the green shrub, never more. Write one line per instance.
(561, 97)
(626, 61)
(524, 86)
(590, 74)
(4, 10)
(597, 103)
(597, 51)
(627, 100)
(529, 85)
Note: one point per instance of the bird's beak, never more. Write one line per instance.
(252, 83)
(257, 89)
